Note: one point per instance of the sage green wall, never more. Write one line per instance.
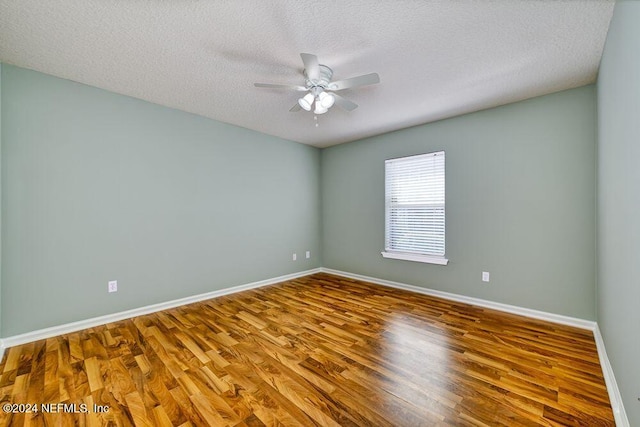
(98, 186)
(619, 202)
(520, 203)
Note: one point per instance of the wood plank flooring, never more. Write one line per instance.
(319, 350)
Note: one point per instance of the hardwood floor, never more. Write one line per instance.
(319, 350)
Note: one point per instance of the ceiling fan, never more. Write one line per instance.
(320, 89)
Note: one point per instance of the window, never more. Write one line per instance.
(414, 208)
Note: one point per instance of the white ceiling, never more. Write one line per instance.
(436, 59)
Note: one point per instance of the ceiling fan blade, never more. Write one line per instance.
(366, 79)
(344, 103)
(274, 86)
(295, 108)
(311, 66)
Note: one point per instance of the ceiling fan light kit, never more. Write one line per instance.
(306, 101)
(320, 109)
(320, 88)
(323, 100)
(326, 99)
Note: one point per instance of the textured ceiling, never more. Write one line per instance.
(436, 59)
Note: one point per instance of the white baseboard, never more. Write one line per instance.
(109, 318)
(527, 312)
(610, 380)
(612, 387)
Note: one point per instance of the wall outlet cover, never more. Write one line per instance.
(485, 276)
(113, 286)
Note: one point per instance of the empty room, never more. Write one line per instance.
(312, 213)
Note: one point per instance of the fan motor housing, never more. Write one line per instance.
(325, 77)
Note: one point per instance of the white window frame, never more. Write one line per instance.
(418, 161)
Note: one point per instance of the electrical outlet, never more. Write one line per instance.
(295, 257)
(485, 276)
(308, 254)
(113, 286)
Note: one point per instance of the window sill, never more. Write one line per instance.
(427, 259)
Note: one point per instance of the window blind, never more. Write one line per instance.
(414, 200)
